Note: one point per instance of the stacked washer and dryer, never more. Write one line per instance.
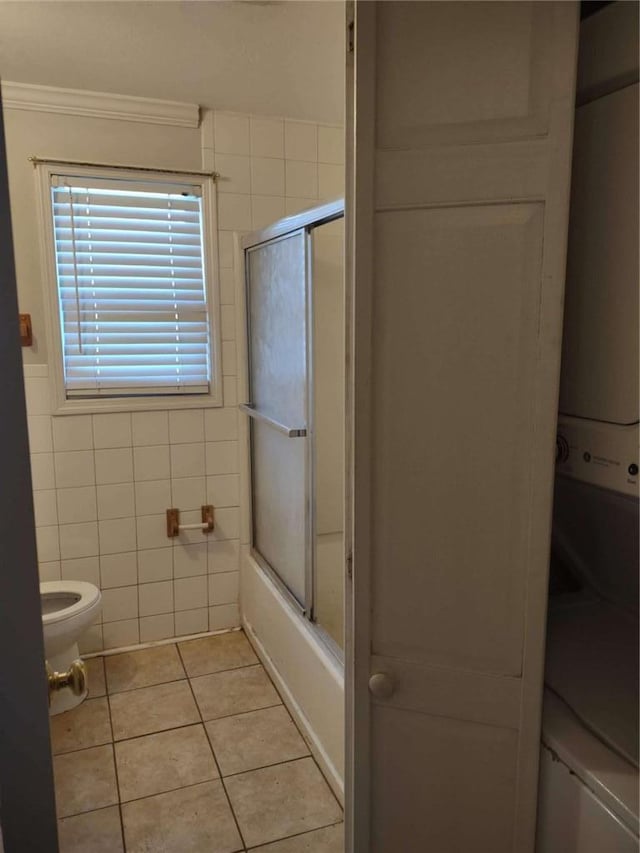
(588, 799)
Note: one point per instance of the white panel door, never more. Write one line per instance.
(459, 188)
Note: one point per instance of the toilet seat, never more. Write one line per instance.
(87, 594)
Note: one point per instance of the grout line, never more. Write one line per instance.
(81, 749)
(138, 799)
(182, 678)
(135, 529)
(157, 732)
(228, 669)
(296, 835)
(267, 766)
(224, 787)
(115, 763)
(171, 790)
(148, 686)
(90, 811)
(226, 716)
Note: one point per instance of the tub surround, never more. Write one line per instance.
(308, 676)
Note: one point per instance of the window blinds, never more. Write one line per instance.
(131, 287)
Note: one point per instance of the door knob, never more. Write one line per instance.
(75, 678)
(381, 685)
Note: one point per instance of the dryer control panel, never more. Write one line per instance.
(602, 454)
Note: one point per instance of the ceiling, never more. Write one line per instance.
(272, 58)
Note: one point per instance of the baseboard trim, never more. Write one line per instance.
(105, 653)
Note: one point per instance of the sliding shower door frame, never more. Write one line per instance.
(293, 432)
(302, 223)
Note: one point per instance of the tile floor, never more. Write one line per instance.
(187, 748)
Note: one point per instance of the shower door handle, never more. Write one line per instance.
(290, 432)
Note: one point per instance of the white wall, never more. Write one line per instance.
(272, 58)
(102, 482)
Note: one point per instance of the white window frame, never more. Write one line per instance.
(61, 405)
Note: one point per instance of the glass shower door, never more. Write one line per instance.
(278, 322)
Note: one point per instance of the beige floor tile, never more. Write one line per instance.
(152, 709)
(190, 820)
(224, 693)
(92, 832)
(85, 780)
(82, 727)
(130, 670)
(95, 677)
(161, 762)
(257, 739)
(282, 800)
(328, 840)
(215, 654)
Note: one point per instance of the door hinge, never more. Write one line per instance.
(350, 565)
(350, 37)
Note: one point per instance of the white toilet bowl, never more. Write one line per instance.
(68, 608)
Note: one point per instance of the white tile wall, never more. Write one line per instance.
(102, 483)
(267, 137)
(330, 145)
(186, 426)
(150, 428)
(114, 466)
(117, 570)
(83, 569)
(45, 507)
(153, 497)
(155, 564)
(267, 176)
(189, 493)
(156, 598)
(187, 460)
(112, 431)
(116, 500)
(301, 179)
(40, 438)
(235, 172)
(223, 490)
(300, 141)
(231, 134)
(78, 540)
(151, 463)
(77, 504)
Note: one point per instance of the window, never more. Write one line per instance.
(129, 257)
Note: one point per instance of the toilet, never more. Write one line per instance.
(68, 608)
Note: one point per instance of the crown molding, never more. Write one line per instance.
(77, 102)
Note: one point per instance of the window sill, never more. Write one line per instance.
(93, 405)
